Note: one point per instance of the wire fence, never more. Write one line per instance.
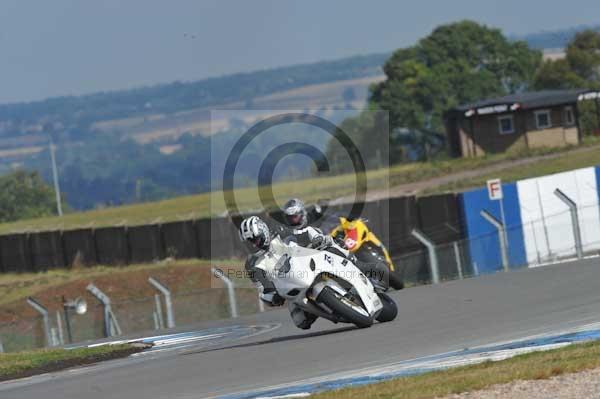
(134, 315)
(549, 239)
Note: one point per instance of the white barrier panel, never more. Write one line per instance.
(547, 229)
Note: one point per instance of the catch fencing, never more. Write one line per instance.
(457, 259)
(133, 315)
(486, 253)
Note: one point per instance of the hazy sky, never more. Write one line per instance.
(61, 47)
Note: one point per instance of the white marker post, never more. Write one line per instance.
(495, 193)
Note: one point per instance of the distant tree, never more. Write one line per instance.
(24, 195)
(583, 54)
(456, 63)
(580, 68)
(556, 75)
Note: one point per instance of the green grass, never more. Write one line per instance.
(16, 286)
(38, 361)
(208, 204)
(564, 162)
(532, 366)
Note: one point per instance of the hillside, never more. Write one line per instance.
(553, 39)
(165, 111)
(74, 118)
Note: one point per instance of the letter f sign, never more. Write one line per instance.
(494, 187)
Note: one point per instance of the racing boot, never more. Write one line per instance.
(302, 319)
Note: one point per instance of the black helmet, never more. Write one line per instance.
(255, 231)
(295, 213)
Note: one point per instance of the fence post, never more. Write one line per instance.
(111, 327)
(158, 312)
(155, 318)
(574, 220)
(501, 237)
(218, 273)
(168, 303)
(44, 312)
(475, 269)
(261, 305)
(433, 261)
(1, 346)
(458, 260)
(61, 336)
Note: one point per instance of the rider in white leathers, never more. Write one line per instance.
(255, 231)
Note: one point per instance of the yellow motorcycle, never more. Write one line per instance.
(363, 243)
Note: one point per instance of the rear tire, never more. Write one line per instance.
(334, 301)
(389, 311)
(371, 254)
(396, 281)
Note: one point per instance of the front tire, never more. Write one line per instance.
(338, 304)
(389, 311)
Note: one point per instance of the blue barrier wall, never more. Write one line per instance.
(484, 246)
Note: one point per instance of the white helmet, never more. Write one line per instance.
(255, 231)
(295, 213)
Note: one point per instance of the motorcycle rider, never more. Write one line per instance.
(256, 232)
(298, 217)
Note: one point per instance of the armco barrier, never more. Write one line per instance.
(145, 243)
(14, 253)
(403, 219)
(112, 247)
(218, 238)
(203, 238)
(221, 245)
(179, 239)
(79, 245)
(439, 217)
(47, 250)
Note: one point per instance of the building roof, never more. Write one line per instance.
(527, 100)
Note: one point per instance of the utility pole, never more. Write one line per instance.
(55, 177)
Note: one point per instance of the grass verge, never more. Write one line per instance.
(25, 364)
(531, 366)
(17, 286)
(564, 162)
(191, 283)
(207, 204)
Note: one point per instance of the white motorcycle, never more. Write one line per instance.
(326, 285)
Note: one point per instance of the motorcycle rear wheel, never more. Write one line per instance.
(371, 253)
(344, 308)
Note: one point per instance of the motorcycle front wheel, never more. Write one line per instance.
(389, 311)
(345, 308)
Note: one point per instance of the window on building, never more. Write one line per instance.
(542, 119)
(506, 124)
(569, 116)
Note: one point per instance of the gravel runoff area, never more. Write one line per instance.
(585, 384)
